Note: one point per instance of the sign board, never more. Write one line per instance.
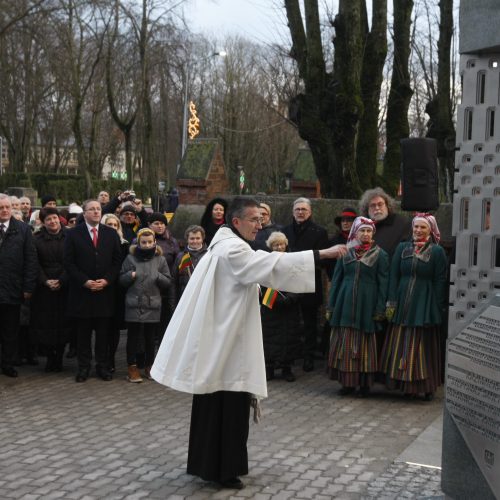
(473, 390)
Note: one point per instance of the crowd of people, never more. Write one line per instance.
(109, 264)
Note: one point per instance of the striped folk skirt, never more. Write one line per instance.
(353, 357)
(411, 359)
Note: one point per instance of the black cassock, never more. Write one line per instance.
(218, 435)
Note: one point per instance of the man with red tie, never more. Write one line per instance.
(92, 260)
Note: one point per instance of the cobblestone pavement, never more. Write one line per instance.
(116, 440)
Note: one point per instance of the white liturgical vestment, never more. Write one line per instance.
(214, 339)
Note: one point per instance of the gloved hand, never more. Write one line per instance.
(328, 315)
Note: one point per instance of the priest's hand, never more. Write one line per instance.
(335, 252)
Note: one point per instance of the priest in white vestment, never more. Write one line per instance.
(212, 347)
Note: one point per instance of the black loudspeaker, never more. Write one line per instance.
(419, 175)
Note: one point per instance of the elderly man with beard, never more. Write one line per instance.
(392, 228)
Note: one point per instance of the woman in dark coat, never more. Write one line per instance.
(416, 302)
(49, 324)
(357, 302)
(170, 248)
(268, 227)
(280, 323)
(118, 320)
(213, 218)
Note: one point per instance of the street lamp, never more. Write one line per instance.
(220, 53)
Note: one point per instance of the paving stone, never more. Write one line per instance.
(110, 440)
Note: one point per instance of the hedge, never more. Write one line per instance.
(66, 188)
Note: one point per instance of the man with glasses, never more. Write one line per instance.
(213, 344)
(92, 260)
(392, 228)
(304, 234)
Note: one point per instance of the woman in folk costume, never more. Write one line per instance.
(416, 302)
(357, 302)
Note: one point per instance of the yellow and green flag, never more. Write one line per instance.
(185, 261)
(270, 297)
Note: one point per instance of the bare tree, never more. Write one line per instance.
(331, 106)
(24, 85)
(121, 85)
(400, 94)
(79, 53)
(440, 106)
(374, 56)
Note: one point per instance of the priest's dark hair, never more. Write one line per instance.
(238, 206)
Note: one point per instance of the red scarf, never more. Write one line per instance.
(419, 245)
(362, 249)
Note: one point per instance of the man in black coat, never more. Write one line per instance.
(18, 274)
(304, 234)
(92, 260)
(392, 228)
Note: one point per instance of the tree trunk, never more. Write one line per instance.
(349, 105)
(374, 56)
(126, 123)
(439, 109)
(399, 96)
(328, 112)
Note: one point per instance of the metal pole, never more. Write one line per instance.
(185, 116)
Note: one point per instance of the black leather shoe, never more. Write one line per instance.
(364, 391)
(345, 391)
(104, 374)
(234, 483)
(9, 371)
(308, 365)
(82, 375)
(288, 375)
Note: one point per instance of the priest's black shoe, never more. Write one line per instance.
(9, 371)
(82, 375)
(234, 483)
(104, 374)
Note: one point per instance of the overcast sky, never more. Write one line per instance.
(256, 20)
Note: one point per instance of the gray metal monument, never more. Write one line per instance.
(471, 432)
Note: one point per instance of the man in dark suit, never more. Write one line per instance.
(92, 261)
(304, 234)
(18, 273)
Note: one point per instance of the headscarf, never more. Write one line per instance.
(360, 222)
(430, 220)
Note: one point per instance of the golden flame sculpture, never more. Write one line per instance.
(194, 121)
